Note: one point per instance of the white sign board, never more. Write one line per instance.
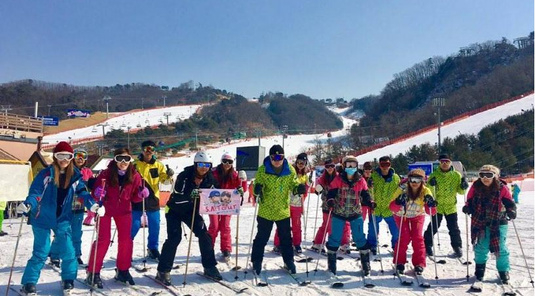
(14, 181)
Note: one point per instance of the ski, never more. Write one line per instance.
(19, 292)
(422, 282)
(260, 283)
(403, 280)
(91, 288)
(463, 262)
(334, 281)
(367, 281)
(325, 254)
(439, 261)
(301, 283)
(223, 283)
(506, 287)
(477, 286)
(301, 258)
(171, 288)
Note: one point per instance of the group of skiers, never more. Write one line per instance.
(127, 190)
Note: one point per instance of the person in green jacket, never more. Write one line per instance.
(385, 182)
(2, 209)
(274, 182)
(447, 183)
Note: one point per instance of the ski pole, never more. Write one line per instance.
(113, 236)
(323, 239)
(237, 244)
(96, 233)
(436, 220)
(15, 254)
(306, 224)
(143, 213)
(374, 221)
(523, 255)
(190, 235)
(434, 251)
(250, 239)
(466, 217)
(399, 242)
(316, 217)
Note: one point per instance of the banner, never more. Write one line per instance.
(49, 120)
(78, 113)
(220, 202)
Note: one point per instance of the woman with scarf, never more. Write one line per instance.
(490, 205)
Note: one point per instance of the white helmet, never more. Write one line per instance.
(227, 155)
(202, 156)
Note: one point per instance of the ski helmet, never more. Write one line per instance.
(202, 156)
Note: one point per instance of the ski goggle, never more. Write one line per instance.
(329, 166)
(81, 155)
(445, 161)
(351, 164)
(122, 158)
(63, 156)
(277, 157)
(486, 175)
(301, 162)
(227, 161)
(148, 149)
(384, 164)
(203, 164)
(417, 180)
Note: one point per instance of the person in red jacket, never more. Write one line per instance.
(115, 189)
(410, 206)
(227, 178)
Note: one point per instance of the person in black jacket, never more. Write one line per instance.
(180, 208)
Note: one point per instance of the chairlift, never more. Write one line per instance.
(138, 125)
(94, 130)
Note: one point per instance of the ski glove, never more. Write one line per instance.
(143, 192)
(433, 181)
(330, 202)
(240, 191)
(23, 208)
(195, 193)
(511, 214)
(301, 189)
(169, 171)
(401, 200)
(467, 210)
(99, 210)
(100, 192)
(464, 184)
(370, 182)
(258, 192)
(319, 189)
(430, 201)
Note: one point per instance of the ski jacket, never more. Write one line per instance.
(78, 201)
(119, 198)
(413, 208)
(296, 200)
(383, 191)
(349, 196)
(276, 188)
(446, 190)
(42, 197)
(232, 183)
(3, 206)
(325, 183)
(180, 198)
(154, 173)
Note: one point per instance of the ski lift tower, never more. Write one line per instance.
(439, 102)
(107, 99)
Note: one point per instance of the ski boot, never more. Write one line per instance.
(257, 267)
(400, 268)
(2, 233)
(164, 278)
(480, 271)
(80, 261)
(153, 254)
(67, 286)
(298, 250)
(290, 266)
(317, 248)
(54, 262)
(504, 276)
(429, 250)
(226, 256)
(365, 261)
(29, 289)
(93, 279)
(276, 250)
(344, 249)
(374, 251)
(124, 277)
(331, 261)
(458, 252)
(212, 272)
(418, 270)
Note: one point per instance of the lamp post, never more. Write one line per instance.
(164, 97)
(439, 102)
(166, 115)
(127, 134)
(107, 99)
(104, 125)
(284, 130)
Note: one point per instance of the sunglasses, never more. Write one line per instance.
(63, 156)
(384, 164)
(203, 164)
(123, 158)
(277, 157)
(148, 149)
(329, 166)
(417, 180)
(81, 155)
(300, 162)
(351, 165)
(486, 175)
(227, 161)
(445, 161)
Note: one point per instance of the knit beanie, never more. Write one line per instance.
(63, 147)
(490, 168)
(417, 173)
(276, 149)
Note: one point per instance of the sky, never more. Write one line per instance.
(323, 49)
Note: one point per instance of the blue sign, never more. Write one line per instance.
(49, 120)
(78, 113)
(427, 167)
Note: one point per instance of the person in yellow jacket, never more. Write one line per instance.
(274, 182)
(153, 173)
(447, 183)
(385, 182)
(2, 209)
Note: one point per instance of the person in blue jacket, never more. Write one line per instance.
(49, 207)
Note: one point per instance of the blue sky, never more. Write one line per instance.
(323, 49)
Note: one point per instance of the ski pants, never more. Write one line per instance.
(124, 247)
(41, 249)
(76, 227)
(221, 224)
(372, 240)
(1, 219)
(327, 228)
(89, 218)
(153, 218)
(174, 219)
(411, 231)
(453, 227)
(337, 228)
(263, 233)
(481, 250)
(295, 219)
